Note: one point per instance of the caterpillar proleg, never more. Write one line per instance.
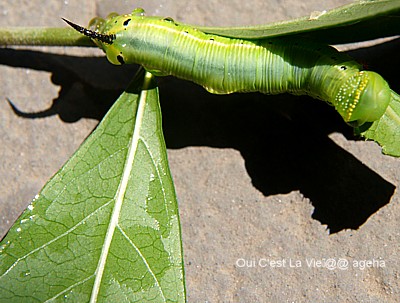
(225, 65)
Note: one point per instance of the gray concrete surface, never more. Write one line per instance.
(269, 187)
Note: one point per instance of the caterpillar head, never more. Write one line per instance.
(363, 98)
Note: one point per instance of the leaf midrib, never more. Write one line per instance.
(119, 196)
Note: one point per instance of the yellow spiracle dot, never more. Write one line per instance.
(348, 96)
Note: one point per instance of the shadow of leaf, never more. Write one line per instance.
(283, 139)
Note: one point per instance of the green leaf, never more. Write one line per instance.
(386, 130)
(354, 22)
(105, 228)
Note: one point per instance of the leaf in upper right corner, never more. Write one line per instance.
(359, 21)
(386, 130)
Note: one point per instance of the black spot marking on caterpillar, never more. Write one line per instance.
(169, 19)
(126, 22)
(343, 67)
(120, 59)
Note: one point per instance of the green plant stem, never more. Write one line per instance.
(42, 36)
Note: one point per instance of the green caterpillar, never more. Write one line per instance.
(224, 65)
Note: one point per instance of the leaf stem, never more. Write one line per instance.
(42, 36)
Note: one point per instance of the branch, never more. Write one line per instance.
(42, 36)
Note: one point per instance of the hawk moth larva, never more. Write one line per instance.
(225, 65)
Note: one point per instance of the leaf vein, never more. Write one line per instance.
(144, 261)
(55, 239)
